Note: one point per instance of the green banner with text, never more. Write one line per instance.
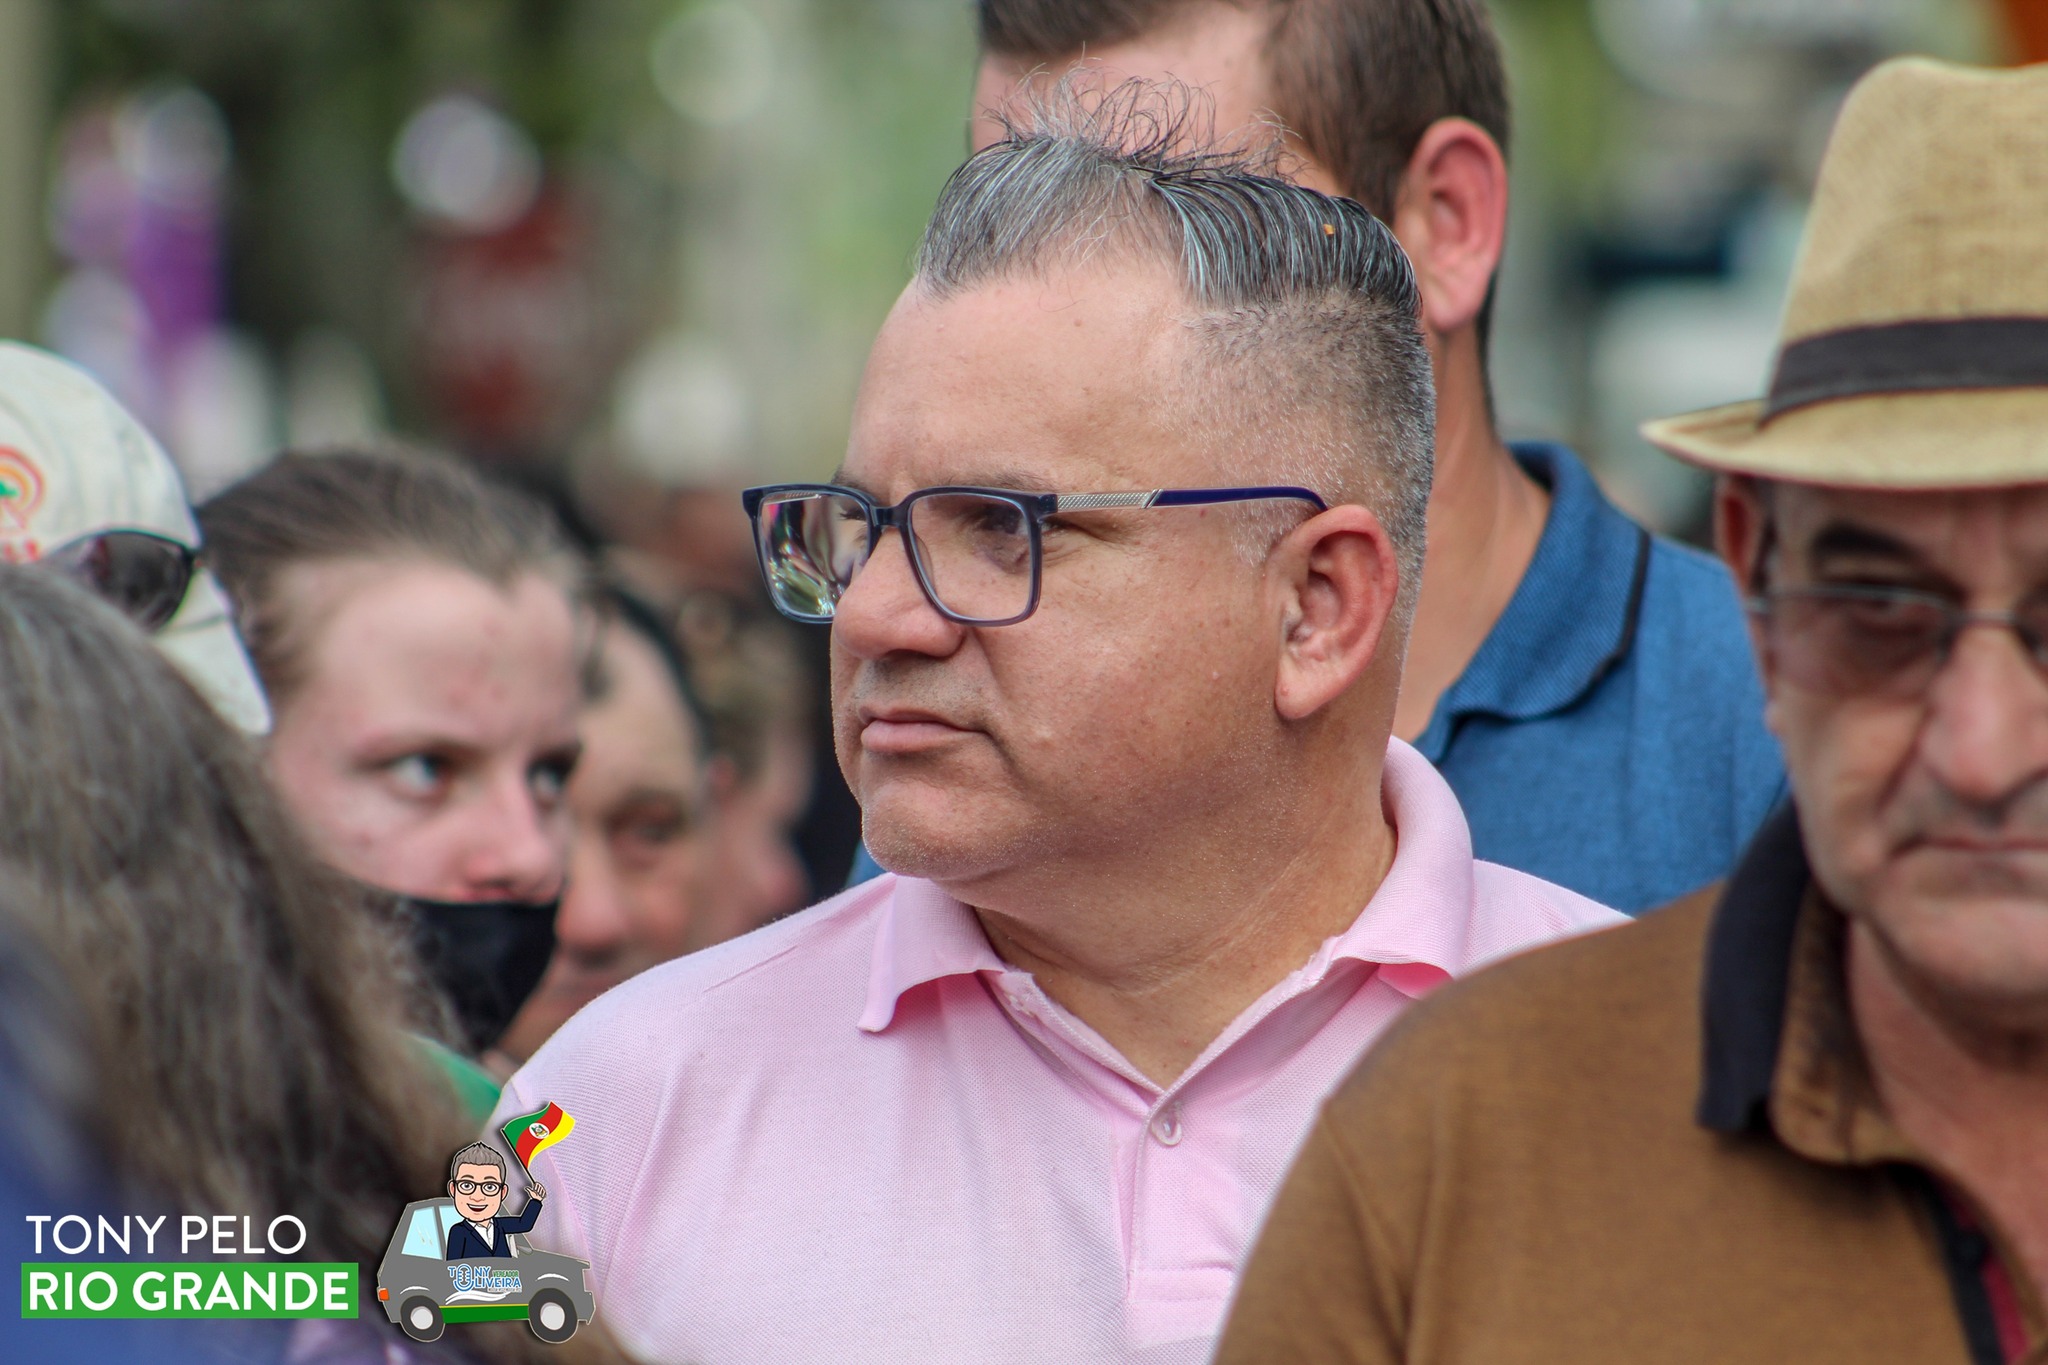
(188, 1289)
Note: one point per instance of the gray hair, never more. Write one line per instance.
(476, 1154)
(1305, 307)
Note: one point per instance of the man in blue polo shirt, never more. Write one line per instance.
(1586, 687)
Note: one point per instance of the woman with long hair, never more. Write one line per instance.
(242, 1012)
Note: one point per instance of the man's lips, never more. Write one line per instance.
(903, 729)
(1979, 846)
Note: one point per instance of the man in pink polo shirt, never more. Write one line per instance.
(1118, 569)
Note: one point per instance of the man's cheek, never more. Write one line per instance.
(1850, 783)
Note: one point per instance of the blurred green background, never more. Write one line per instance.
(615, 242)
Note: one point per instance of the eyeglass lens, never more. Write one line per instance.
(1877, 644)
(144, 576)
(812, 545)
(973, 552)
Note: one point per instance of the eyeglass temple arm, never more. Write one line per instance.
(1182, 497)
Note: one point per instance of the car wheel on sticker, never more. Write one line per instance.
(551, 1316)
(419, 1317)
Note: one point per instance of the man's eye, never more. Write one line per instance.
(651, 831)
(420, 774)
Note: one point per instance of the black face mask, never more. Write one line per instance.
(485, 956)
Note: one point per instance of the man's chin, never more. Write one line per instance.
(1988, 943)
(933, 860)
(938, 846)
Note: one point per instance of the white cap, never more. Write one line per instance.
(74, 462)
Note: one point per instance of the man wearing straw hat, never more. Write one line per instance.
(1803, 1115)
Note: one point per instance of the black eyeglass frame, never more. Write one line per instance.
(191, 559)
(1955, 620)
(1035, 506)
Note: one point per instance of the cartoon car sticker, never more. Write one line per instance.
(422, 1292)
(459, 1259)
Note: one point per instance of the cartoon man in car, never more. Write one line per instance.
(476, 1182)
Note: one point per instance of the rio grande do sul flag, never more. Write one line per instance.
(531, 1134)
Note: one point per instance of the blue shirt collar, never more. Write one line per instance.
(1571, 620)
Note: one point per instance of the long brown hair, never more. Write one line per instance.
(241, 1007)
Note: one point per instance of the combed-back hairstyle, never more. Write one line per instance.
(1307, 353)
(386, 504)
(477, 1154)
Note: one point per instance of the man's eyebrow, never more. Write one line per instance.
(1847, 540)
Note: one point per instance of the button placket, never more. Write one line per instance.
(1166, 1126)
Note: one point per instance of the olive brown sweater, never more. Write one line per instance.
(1655, 1144)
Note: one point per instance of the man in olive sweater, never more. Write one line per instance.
(1803, 1116)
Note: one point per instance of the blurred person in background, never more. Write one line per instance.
(688, 548)
(86, 491)
(229, 995)
(758, 700)
(1802, 1116)
(641, 807)
(422, 635)
(1169, 872)
(1558, 647)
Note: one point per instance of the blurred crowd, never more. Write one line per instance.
(314, 834)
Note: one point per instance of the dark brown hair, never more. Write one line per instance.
(1359, 81)
(365, 504)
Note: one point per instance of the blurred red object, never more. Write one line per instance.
(508, 329)
(2028, 22)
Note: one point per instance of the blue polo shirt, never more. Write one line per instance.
(1608, 736)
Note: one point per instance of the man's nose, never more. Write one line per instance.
(885, 611)
(1986, 732)
(593, 921)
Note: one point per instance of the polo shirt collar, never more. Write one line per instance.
(1416, 929)
(922, 935)
(1747, 975)
(1572, 618)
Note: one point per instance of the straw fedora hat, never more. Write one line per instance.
(1914, 350)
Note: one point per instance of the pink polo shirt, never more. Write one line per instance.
(858, 1135)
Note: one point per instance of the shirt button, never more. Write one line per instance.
(1166, 1126)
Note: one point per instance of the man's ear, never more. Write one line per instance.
(1741, 533)
(1739, 529)
(1338, 579)
(1451, 215)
